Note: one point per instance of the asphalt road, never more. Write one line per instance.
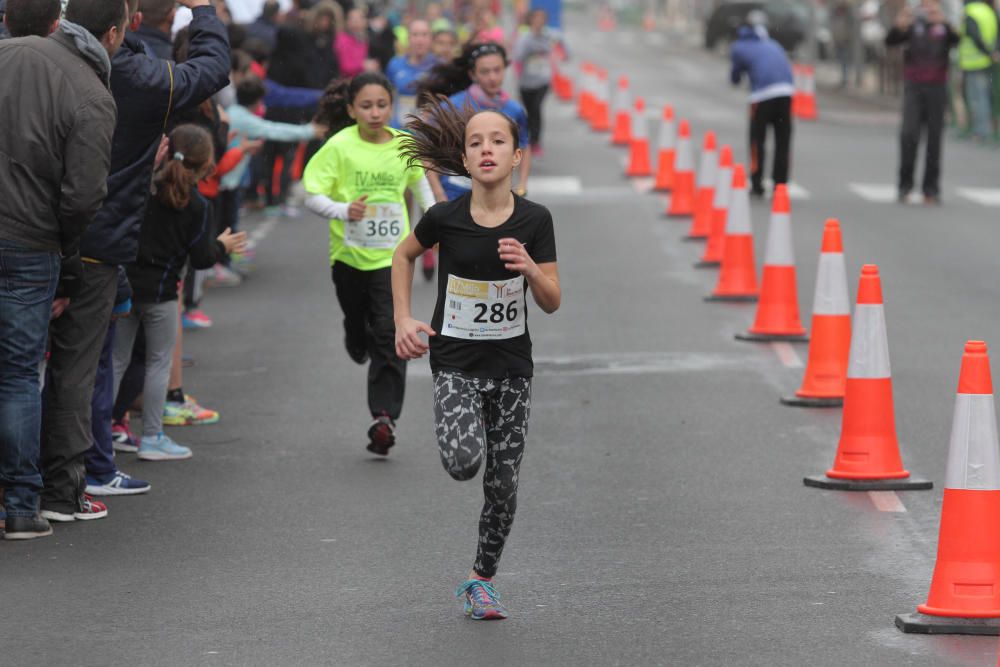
(662, 515)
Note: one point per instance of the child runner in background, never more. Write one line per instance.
(444, 44)
(357, 181)
(404, 73)
(177, 227)
(475, 80)
(534, 53)
(494, 246)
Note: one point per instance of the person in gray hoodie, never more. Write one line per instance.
(55, 150)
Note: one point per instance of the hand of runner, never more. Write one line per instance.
(356, 210)
(233, 242)
(516, 257)
(409, 344)
(251, 146)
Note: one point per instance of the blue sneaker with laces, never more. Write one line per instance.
(482, 602)
(161, 448)
(116, 484)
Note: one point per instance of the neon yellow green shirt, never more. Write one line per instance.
(344, 169)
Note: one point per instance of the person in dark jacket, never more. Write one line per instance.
(29, 17)
(157, 22)
(265, 27)
(765, 63)
(927, 38)
(55, 146)
(146, 90)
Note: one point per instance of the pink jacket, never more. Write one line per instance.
(351, 52)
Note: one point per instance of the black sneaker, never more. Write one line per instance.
(358, 355)
(381, 435)
(26, 527)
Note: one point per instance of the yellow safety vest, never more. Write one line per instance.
(970, 58)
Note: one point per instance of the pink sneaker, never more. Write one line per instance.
(122, 439)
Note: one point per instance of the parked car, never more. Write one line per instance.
(787, 22)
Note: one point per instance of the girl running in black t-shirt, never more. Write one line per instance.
(494, 246)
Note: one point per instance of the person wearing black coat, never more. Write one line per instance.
(146, 91)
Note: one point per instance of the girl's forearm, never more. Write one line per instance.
(402, 286)
(546, 291)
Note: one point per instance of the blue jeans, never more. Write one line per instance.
(979, 95)
(28, 280)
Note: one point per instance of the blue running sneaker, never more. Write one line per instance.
(161, 448)
(482, 602)
(117, 484)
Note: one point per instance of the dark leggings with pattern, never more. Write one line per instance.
(479, 419)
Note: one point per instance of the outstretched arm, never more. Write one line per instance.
(409, 344)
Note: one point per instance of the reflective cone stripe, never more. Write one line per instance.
(807, 109)
(868, 448)
(737, 275)
(778, 307)
(601, 120)
(682, 195)
(622, 109)
(830, 344)
(704, 192)
(638, 162)
(966, 580)
(720, 209)
(666, 145)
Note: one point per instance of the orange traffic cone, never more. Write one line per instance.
(638, 160)
(720, 210)
(825, 380)
(682, 194)
(737, 275)
(622, 109)
(601, 121)
(964, 597)
(666, 151)
(868, 453)
(585, 101)
(807, 108)
(778, 309)
(797, 95)
(606, 21)
(704, 190)
(648, 21)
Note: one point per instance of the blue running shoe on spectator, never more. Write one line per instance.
(161, 448)
(116, 484)
(482, 602)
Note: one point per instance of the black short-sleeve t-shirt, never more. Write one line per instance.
(476, 335)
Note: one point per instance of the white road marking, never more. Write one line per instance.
(555, 185)
(795, 191)
(261, 232)
(787, 354)
(643, 185)
(886, 501)
(982, 196)
(881, 193)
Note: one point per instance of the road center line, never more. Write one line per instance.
(787, 354)
(886, 501)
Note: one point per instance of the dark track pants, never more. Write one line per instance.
(366, 300)
(775, 113)
(924, 105)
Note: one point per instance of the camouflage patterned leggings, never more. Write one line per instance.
(477, 419)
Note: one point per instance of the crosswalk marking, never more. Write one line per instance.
(555, 185)
(880, 193)
(982, 196)
(886, 501)
(795, 191)
(886, 193)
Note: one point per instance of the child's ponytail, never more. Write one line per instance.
(189, 158)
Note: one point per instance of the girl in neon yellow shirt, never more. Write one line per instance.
(357, 180)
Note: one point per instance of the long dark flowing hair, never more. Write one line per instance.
(332, 110)
(436, 139)
(451, 77)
